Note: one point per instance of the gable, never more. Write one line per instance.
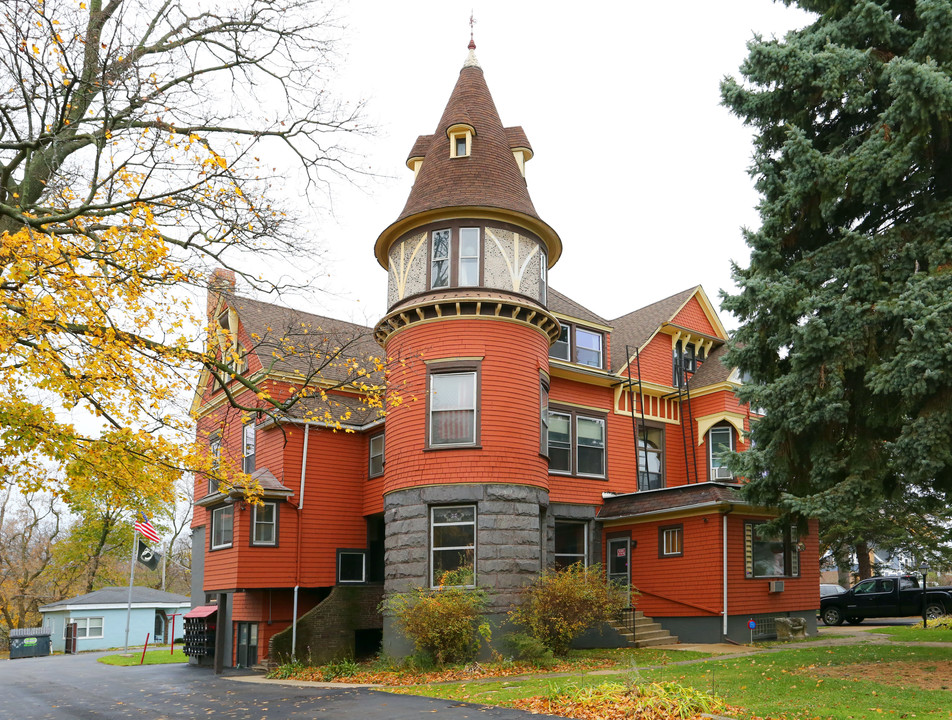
(692, 316)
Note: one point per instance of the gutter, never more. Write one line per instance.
(730, 509)
(297, 560)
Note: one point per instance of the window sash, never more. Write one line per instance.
(376, 454)
(771, 556)
(223, 523)
(248, 447)
(440, 259)
(264, 524)
(452, 541)
(590, 446)
(720, 441)
(351, 566)
(588, 347)
(672, 541)
(453, 408)
(560, 442)
(571, 544)
(561, 349)
(468, 257)
(651, 459)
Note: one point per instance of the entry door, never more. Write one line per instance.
(619, 565)
(247, 644)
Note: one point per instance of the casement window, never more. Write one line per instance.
(571, 543)
(376, 454)
(440, 259)
(453, 543)
(671, 541)
(544, 417)
(452, 408)
(264, 524)
(771, 553)
(223, 524)
(248, 447)
(579, 345)
(351, 566)
(576, 444)
(720, 442)
(455, 257)
(651, 458)
(685, 360)
(86, 627)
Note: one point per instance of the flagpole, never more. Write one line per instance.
(132, 570)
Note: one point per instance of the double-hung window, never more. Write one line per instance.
(576, 444)
(223, 523)
(248, 447)
(214, 449)
(453, 544)
(87, 627)
(264, 524)
(468, 273)
(579, 345)
(452, 408)
(571, 544)
(720, 442)
(544, 416)
(376, 454)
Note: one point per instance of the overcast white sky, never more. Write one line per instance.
(637, 166)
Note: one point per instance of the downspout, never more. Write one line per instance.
(730, 509)
(297, 561)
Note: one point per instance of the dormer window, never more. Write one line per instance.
(579, 345)
(686, 358)
(461, 140)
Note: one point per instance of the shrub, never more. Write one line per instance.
(559, 605)
(344, 667)
(528, 649)
(444, 622)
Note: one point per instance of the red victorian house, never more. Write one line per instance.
(530, 433)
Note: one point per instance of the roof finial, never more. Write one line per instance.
(471, 60)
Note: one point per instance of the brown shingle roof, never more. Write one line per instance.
(420, 146)
(636, 328)
(674, 498)
(712, 370)
(489, 177)
(517, 137)
(563, 305)
(293, 341)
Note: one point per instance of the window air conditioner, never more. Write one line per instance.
(722, 473)
(776, 586)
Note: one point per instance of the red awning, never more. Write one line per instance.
(202, 611)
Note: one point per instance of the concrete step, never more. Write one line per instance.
(646, 632)
(655, 642)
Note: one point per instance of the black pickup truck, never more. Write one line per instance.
(884, 597)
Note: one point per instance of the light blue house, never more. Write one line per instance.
(100, 617)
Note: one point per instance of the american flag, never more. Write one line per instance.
(144, 528)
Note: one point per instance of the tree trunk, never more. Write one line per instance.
(864, 566)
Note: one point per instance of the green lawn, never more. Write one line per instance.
(776, 684)
(911, 633)
(152, 657)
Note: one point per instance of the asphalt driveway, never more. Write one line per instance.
(76, 687)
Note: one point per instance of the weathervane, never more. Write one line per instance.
(472, 21)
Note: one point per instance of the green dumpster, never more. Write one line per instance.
(30, 642)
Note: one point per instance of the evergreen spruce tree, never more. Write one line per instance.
(846, 306)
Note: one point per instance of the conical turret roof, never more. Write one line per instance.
(488, 178)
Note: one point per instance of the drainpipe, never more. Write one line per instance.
(297, 562)
(730, 509)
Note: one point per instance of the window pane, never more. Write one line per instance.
(441, 244)
(465, 514)
(461, 146)
(264, 523)
(560, 442)
(351, 567)
(469, 242)
(720, 439)
(768, 554)
(560, 350)
(591, 432)
(591, 446)
(468, 271)
(449, 560)
(588, 347)
(440, 266)
(569, 538)
(591, 461)
(453, 408)
(376, 454)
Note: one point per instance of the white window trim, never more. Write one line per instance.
(574, 444)
(461, 257)
(710, 450)
(83, 623)
(433, 580)
(214, 524)
(248, 432)
(381, 454)
(255, 523)
(600, 421)
(601, 347)
(676, 531)
(448, 259)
